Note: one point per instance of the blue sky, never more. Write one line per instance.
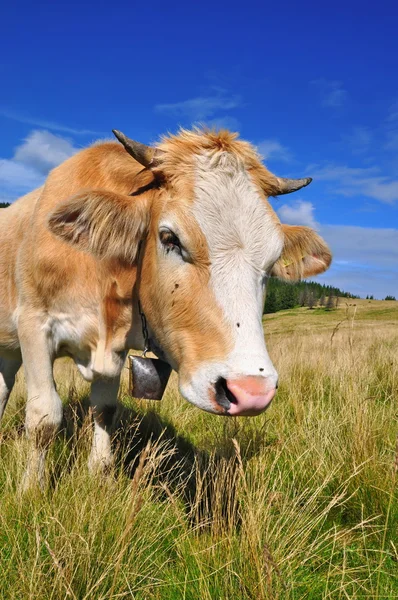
(314, 85)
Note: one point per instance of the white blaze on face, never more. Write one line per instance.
(244, 241)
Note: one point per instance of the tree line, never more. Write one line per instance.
(282, 295)
(386, 298)
(4, 204)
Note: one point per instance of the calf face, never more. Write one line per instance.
(210, 239)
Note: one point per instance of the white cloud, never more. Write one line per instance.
(43, 151)
(332, 93)
(272, 149)
(13, 173)
(201, 107)
(332, 172)
(379, 188)
(354, 181)
(40, 152)
(298, 213)
(359, 139)
(370, 246)
(393, 113)
(9, 114)
(390, 128)
(365, 259)
(392, 140)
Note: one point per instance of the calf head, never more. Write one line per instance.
(209, 241)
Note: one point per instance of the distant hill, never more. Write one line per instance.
(282, 295)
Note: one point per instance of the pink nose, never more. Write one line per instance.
(252, 395)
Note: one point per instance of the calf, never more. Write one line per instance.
(184, 230)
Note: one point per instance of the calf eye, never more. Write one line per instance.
(170, 241)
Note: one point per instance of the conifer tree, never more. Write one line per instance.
(287, 297)
(304, 297)
(330, 302)
(311, 300)
(270, 305)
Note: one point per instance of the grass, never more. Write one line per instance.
(298, 503)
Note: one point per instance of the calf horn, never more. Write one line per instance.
(286, 185)
(143, 154)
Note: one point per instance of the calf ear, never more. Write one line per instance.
(105, 224)
(304, 254)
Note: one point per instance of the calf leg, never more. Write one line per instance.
(8, 369)
(103, 399)
(44, 406)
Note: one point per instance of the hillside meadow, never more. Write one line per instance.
(298, 503)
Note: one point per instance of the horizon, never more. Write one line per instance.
(313, 93)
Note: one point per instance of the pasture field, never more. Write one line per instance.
(299, 503)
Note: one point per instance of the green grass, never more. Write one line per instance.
(298, 503)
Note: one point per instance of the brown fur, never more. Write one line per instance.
(79, 235)
(178, 159)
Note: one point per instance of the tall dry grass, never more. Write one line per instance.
(298, 503)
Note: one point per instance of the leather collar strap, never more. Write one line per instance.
(144, 326)
(147, 341)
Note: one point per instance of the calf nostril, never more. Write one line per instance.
(261, 369)
(224, 396)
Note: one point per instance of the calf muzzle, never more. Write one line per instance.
(245, 396)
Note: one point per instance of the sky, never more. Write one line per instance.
(313, 85)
